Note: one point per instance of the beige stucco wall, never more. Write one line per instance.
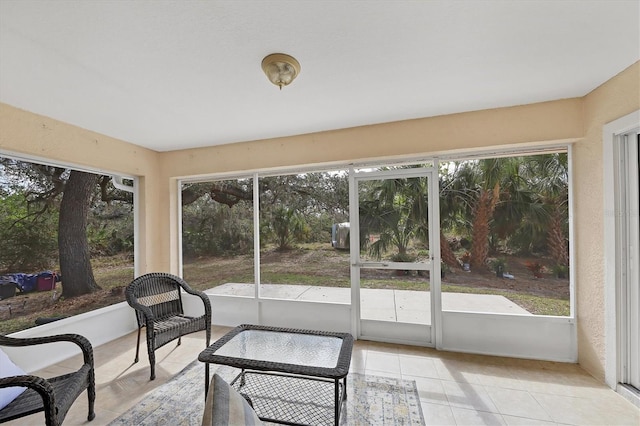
(617, 97)
(542, 122)
(579, 120)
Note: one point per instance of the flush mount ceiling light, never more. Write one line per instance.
(280, 69)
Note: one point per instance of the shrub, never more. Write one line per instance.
(536, 268)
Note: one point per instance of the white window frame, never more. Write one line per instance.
(537, 337)
(117, 182)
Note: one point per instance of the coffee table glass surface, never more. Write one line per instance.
(283, 347)
(294, 351)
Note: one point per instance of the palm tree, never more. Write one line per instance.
(287, 226)
(493, 174)
(549, 177)
(520, 201)
(455, 180)
(514, 218)
(396, 209)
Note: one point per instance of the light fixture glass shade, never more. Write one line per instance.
(280, 69)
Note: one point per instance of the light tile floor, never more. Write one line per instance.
(455, 389)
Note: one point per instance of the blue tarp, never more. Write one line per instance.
(27, 282)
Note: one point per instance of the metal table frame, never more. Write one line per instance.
(336, 374)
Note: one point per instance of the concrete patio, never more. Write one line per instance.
(406, 306)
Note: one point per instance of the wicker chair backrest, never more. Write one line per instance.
(159, 293)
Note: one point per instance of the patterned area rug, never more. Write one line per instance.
(371, 400)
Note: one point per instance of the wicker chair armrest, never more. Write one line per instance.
(39, 384)
(81, 341)
(203, 296)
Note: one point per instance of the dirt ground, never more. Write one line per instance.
(24, 309)
(523, 281)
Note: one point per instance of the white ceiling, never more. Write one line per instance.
(170, 74)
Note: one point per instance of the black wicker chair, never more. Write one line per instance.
(54, 395)
(157, 300)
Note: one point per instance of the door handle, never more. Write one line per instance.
(370, 264)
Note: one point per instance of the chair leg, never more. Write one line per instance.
(138, 347)
(152, 363)
(179, 341)
(91, 394)
(151, 348)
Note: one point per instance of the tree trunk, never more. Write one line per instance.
(73, 244)
(447, 255)
(556, 240)
(485, 206)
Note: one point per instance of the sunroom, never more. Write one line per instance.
(271, 134)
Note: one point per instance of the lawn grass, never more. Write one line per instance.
(295, 278)
(395, 284)
(541, 305)
(113, 277)
(537, 305)
(10, 325)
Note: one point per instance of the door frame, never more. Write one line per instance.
(388, 332)
(616, 348)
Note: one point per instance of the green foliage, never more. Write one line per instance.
(302, 207)
(110, 229)
(530, 190)
(499, 266)
(404, 257)
(211, 228)
(319, 228)
(286, 226)
(293, 208)
(536, 268)
(561, 271)
(395, 210)
(499, 262)
(29, 240)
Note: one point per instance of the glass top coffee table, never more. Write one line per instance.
(291, 376)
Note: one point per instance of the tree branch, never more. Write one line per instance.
(229, 195)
